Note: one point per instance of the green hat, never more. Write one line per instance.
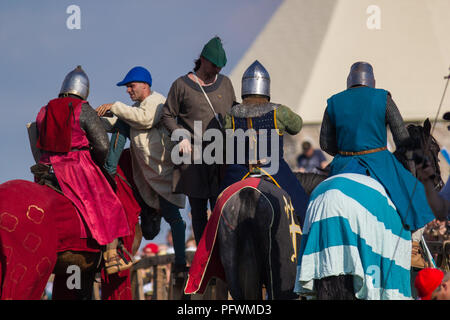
(213, 51)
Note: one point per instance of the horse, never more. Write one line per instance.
(258, 236)
(354, 244)
(40, 235)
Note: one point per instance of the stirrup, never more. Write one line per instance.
(119, 261)
(417, 256)
(116, 264)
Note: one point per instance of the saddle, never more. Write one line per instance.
(44, 175)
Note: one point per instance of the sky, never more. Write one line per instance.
(38, 48)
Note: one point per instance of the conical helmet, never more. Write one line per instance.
(361, 73)
(256, 80)
(76, 82)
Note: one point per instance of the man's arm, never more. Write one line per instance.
(138, 117)
(169, 116)
(171, 110)
(395, 121)
(328, 141)
(322, 159)
(398, 129)
(288, 120)
(95, 132)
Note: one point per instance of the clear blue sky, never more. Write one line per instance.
(165, 36)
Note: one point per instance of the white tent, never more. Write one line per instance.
(308, 47)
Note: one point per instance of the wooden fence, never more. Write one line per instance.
(166, 287)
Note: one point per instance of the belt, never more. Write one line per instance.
(359, 153)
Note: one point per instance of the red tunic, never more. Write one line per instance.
(81, 180)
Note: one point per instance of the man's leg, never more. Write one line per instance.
(116, 146)
(212, 203)
(171, 213)
(199, 216)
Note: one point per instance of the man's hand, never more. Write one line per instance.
(101, 111)
(185, 146)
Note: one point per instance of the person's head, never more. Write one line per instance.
(76, 82)
(212, 58)
(256, 82)
(442, 292)
(427, 281)
(191, 244)
(138, 82)
(307, 149)
(150, 250)
(361, 74)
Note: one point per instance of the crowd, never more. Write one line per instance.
(80, 156)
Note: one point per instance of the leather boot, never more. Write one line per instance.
(115, 261)
(417, 260)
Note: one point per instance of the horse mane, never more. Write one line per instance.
(309, 180)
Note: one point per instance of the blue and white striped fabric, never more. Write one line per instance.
(352, 227)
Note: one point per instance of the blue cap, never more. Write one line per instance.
(137, 74)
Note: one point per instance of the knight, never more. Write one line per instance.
(354, 132)
(74, 146)
(258, 113)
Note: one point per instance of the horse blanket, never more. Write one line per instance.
(352, 227)
(117, 286)
(206, 263)
(36, 223)
(281, 239)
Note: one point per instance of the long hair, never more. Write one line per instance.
(198, 63)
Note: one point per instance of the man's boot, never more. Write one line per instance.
(115, 261)
(417, 260)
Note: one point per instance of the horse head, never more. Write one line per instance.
(425, 150)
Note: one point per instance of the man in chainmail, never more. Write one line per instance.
(74, 147)
(354, 132)
(258, 113)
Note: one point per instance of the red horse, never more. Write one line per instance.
(39, 235)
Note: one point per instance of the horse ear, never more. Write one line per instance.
(427, 126)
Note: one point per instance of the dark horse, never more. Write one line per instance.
(39, 235)
(259, 237)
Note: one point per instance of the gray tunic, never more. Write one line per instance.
(185, 104)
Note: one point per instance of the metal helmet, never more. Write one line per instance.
(361, 73)
(256, 80)
(76, 82)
